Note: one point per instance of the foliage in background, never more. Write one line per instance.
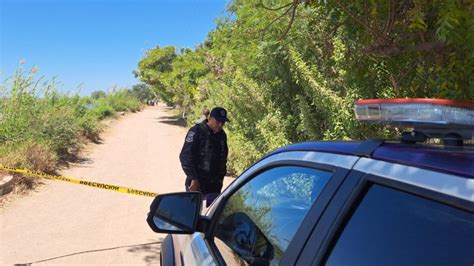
(143, 93)
(174, 77)
(289, 71)
(98, 94)
(39, 126)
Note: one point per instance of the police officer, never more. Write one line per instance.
(204, 154)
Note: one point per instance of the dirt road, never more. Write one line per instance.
(63, 223)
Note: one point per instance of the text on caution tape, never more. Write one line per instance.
(82, 182)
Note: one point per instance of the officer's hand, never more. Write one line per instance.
(194, 185)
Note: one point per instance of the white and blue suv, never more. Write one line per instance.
(373, 202)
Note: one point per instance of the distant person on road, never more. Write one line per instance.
(204, 154)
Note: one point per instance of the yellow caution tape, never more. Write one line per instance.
(83, 182)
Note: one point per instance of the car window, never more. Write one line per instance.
(260, 219)
(391, 227)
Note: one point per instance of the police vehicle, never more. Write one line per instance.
(373, 202)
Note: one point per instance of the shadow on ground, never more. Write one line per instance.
(172, 120)
(150, 252)
(152, 248)
(76, 160)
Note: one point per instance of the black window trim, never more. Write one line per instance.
(340, 210)
(302, 233)
(313, 217)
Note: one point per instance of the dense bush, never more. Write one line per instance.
(102, 110)
(123, 100)
(290, 71)
(40, 126)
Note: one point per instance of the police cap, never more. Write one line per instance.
(220, 114)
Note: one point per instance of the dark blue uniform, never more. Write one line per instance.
(204, 157)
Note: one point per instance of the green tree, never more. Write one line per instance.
(154, 69)
(174, 77)
(143, 92)
(98, 94)
(290, 71)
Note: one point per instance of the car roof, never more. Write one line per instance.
(448, 159)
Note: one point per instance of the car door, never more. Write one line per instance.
(392, 214)
(264, 215)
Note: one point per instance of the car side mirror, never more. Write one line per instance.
(176, 213)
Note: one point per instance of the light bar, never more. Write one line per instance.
(417, 112)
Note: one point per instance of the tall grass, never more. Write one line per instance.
(40, 126)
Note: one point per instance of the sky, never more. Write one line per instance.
(89, 45)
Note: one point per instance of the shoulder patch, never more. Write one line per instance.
(190, 136)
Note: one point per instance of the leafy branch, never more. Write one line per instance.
(290, 7)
